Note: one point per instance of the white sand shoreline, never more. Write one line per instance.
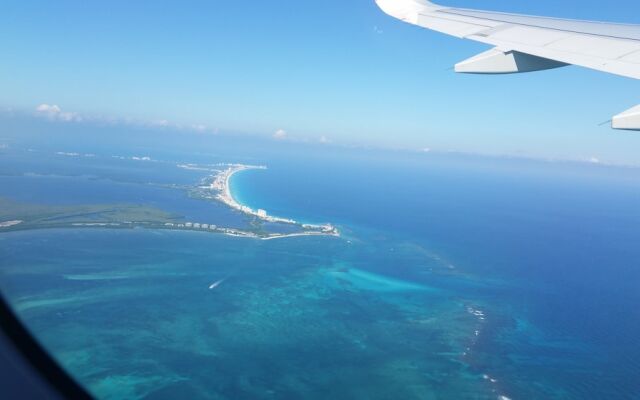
(222, 185)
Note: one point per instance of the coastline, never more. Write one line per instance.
(221, 185)
(27, 217)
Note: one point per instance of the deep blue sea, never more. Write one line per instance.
(456, 277)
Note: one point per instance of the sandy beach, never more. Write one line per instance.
(222, 186)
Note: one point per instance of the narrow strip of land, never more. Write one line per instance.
(221, 187)
(217, 187)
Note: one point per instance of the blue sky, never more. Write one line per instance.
(334, 69)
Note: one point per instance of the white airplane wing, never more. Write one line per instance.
(525, 43)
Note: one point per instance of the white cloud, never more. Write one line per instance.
(594, 160)
(54, 112)
(160, 122)
(47, 109)
(378, 30)
(323, 139)
(199, 127)
(426, 150)
(280, 134)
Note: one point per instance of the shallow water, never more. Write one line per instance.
(454, 278)
(293, 318)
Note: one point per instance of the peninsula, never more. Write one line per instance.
(215, 187)
(116, 216)
(220, 186)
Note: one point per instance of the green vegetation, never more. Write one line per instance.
(38, 216)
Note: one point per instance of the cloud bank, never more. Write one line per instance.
(54, 112)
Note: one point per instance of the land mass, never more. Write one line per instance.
(23, 216)
(218, 187)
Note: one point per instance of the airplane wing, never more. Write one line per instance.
(524, 43)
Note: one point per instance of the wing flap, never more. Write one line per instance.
(632, 57)
(450, 27)
(528, 35)
(594, 46)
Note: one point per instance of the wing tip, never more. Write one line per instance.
(404, 9)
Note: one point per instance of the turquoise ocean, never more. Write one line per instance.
(456, 277)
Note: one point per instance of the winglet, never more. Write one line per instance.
(406, 10)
